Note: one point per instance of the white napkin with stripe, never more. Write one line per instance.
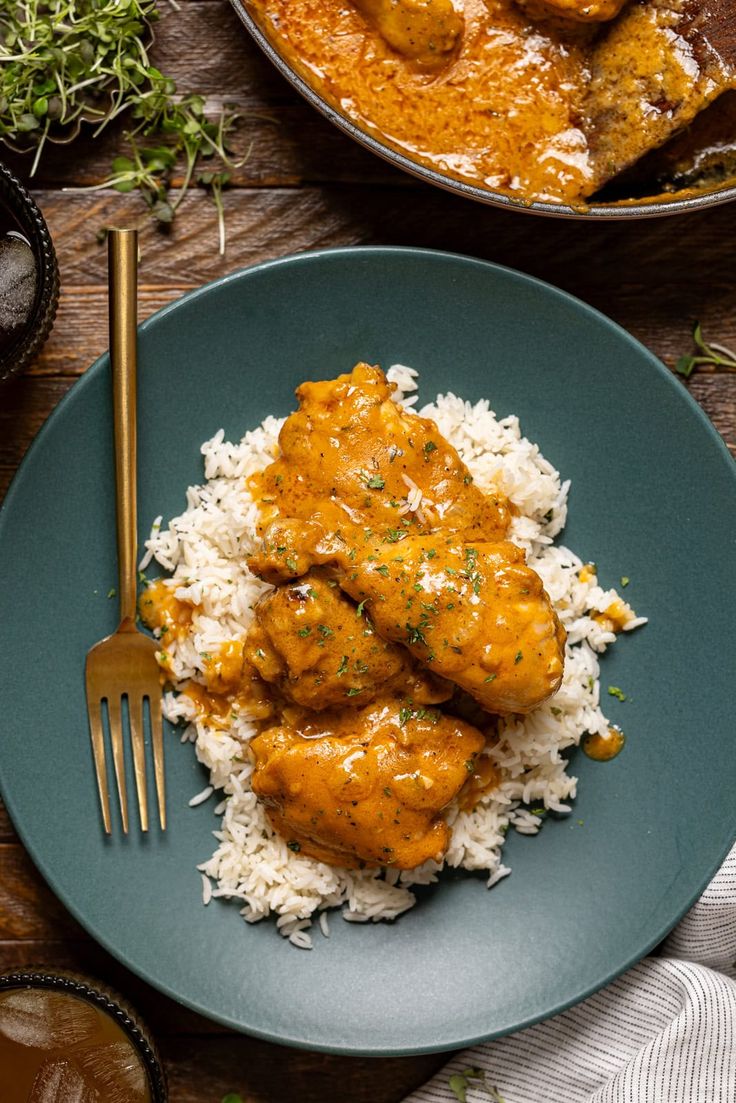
(665, 1032)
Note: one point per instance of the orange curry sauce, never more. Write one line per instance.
(502, 110)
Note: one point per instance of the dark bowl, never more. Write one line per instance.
(642, 207)
(28, 220)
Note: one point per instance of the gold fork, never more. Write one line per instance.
(123, 665)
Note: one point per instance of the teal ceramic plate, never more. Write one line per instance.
(653, 497)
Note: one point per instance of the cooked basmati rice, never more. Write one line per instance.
(206, 547)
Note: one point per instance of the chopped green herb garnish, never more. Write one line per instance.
(490, 678)
(375, 483)
(111, 592)
(624, 580)
(353, 691)
(325, 631)
(294, 845)
(429, 447)
(279, 479)
(518, 657)
(383, 569)
(470, 765)
(292, 564)
(414, 634)
(304, 631)
(617, 693)
(361, 607)
(342, 668)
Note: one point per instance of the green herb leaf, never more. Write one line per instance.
(624, 580)
(711, 355)
(614, 691)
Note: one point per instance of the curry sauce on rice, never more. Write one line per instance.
(378, 651)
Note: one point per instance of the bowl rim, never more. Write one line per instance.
(29, 341)
(645, 208)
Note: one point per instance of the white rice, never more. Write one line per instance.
(205, 548)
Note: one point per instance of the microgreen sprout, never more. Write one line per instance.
(461, 1082)
(65, 62)
(713, 354)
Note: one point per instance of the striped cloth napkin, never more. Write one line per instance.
(665, 1032)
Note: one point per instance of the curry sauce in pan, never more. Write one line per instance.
(542, 101)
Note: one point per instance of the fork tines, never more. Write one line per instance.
(135, 712)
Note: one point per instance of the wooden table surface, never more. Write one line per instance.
(307, 186)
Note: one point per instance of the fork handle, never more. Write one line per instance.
(123, 279)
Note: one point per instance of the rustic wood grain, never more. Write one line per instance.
(305, 186)
(202, 1070)
(28, 909)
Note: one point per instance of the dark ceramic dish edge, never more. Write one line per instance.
(112, 1004)
(612, 212)
(29, 342)
(101, 364)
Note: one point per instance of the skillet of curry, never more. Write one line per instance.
(543, 101)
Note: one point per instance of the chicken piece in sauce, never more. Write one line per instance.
(350, 458)
(366, 788)
(425, 31)
(580, 11)
(318, 649)
(476, 614)
(657, 67)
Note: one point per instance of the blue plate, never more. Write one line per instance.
(653, 497)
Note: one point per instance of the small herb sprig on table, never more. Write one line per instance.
(460, 1084)
(65, 62)
(192, 137)
(714, 355)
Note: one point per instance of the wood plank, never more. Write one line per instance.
(633, 272)
(7, 831)
(28, 908)
(206, 1069)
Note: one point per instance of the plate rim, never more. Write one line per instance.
(94, 370)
